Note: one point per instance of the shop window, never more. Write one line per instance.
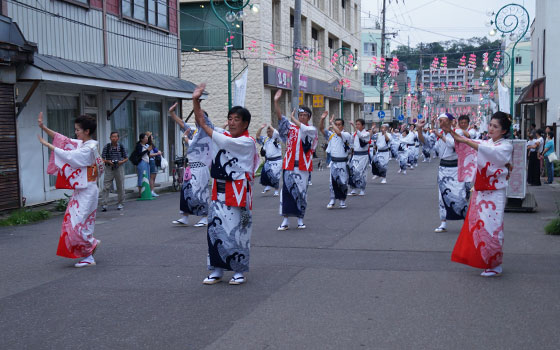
(123, 122)
(149, 119)
(201, 30)
(153, 12)
(61, 112)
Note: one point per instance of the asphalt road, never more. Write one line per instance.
(373, 276)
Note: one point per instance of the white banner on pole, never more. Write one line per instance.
(240, 89)
(503, 97)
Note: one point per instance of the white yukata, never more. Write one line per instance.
(195, 195)
(230, 218)
(394, 145)
(360, 160)
(272, 168)
(402, 154)
(427, 146)
(297, 166)
(453, 195)
(381, 157)
(408, 140)
(78, 165)
(482, 235)
(340, 149)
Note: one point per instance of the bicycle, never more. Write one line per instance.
(178, 172)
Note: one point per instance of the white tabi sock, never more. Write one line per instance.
(217, 272)
(443, 224)
(300, 221)
(88, 259)
(284, 222)
(203, 220)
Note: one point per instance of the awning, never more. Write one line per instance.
(13, 46)
(54, 69)
(534, 93)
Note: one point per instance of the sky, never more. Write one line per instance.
(418, 21)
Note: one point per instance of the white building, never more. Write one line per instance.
(540, 101)
(84, 57)
(327, 25)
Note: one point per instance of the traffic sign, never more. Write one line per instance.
(381, 114)
(420, 116)
(400, 117)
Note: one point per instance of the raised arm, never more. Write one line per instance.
(333, 126)
(174, 116)
(322, 121)
(198, 112)
(277, 109)
(294, 119)
(259, 131)
(420, 126)
(43, 127)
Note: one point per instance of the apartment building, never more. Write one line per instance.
(117, 60)
(262, 48)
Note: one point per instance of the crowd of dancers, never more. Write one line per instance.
(228, 158)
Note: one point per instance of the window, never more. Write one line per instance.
(276, 29)
(123, 122)
(149, 119)
(370, 79)
(518, 60)
(517, 91)
(370, 49)
(201, 30)
(153, 12)
(61, 113)
(84, 3)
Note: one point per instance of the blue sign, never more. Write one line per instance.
(420, 116)
(414, 121)
(400, 117)
(372, 108)
(381, 114)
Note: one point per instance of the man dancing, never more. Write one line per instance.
(301, 140)
(272, 151)
(453, 195)
(381, 157)
(339, 144)
(360, 158)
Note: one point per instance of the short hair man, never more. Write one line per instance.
(114, 156)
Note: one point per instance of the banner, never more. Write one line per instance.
(517, 185)
(503, 98)
(240, 90)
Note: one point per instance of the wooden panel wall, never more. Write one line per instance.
(9, 177)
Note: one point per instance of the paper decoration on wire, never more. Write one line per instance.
(463, 63)
(435, 65)
(485, 60)
(253, 49)
(443, 64)
(317, 59)
(385, 87)
(497, 59)
(472, 62)
(227, 43)
(270, 53)
(394, 67)
(395, 87)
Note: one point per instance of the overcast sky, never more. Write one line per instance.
(436, 20)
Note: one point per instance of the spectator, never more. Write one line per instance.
(143, 148)
(548, 150)
(114, 156)
(533, 169)
(153, 157)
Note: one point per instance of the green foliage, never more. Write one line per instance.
(556, 164)
(61, 204)
(24, 216)
(453, 49)
(553, 227)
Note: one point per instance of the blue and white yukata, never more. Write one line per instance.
(381, 157)
(339, 147)
(272, 168)
(360, 160)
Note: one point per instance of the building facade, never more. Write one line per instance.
(117, 60)
(262, 48)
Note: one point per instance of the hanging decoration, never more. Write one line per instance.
(463, 63)
(435, 65)
(485, 61)
(472, 62)
(394, 67)
(443, 65)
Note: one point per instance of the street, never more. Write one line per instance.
(373, 276)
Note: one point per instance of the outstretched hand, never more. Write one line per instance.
(277, 95)
(420, 124)
(325, 114)
(197, 93)
(40, 120)
(172, 108)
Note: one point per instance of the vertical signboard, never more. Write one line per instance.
(517, 186)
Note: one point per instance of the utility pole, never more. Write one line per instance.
(382, 77)
(296, 45)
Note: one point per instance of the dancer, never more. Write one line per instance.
(416, 149)
(408, 140)
(482, 235)
(395, 142)
(452, 194)
(235, 160)
(301, 140)
(78, 165)
(272, 151)
(195, 195)
(339, 144)
(360, 157)
(381, 157)
(403, 153)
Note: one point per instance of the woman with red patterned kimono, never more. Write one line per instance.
(78, 164)
(481, 239)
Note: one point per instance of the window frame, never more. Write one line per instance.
(79, 3)
(145, 22)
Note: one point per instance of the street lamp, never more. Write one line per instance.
(235, 13)
(512, 19)
(341, 64)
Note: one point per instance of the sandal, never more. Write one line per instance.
(84, 264)
(282, 228)
(440, 229)
(302, 226)
(490, 273)
(212, 280)
(237, 280)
